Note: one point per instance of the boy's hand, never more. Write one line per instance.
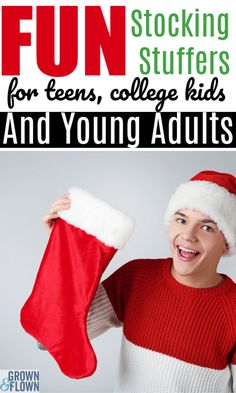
(62, 203)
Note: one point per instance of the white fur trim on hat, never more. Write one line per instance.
(213, 200)
(98, 218)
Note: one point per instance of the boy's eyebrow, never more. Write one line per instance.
(209, 220)
(181, 214)
(205, 220)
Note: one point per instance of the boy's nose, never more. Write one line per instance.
(189, 234)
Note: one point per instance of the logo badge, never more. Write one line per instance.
(19, 380)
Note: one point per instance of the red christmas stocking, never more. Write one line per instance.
(82, 242)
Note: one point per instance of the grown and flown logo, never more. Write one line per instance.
(19, 380)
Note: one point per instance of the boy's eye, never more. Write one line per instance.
(181, 220)
(207, 228)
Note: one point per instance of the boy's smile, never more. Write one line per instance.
(197, 246)
(187, 254)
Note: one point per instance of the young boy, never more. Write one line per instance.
(177, 314)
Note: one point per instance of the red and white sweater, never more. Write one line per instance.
(176, 338)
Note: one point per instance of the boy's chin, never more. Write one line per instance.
(183, 267)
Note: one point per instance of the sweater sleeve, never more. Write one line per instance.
(108, 307)
(118, 288)
(101, 316)
(109, 304)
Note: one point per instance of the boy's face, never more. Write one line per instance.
(196, 243)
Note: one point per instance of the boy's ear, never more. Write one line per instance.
(226, 248)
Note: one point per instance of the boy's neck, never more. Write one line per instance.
(195, 282)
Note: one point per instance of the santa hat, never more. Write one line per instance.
(214, 194)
